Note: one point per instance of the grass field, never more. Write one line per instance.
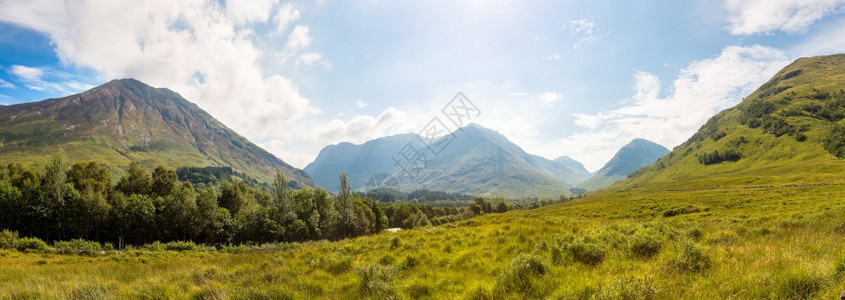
(781, 241)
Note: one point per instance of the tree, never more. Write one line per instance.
(347, 218)
(283, 210)
(55, 188)
(136, 181)
(164, 182)
(233, 197)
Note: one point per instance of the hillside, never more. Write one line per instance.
(479, 161)
(126, 121)
(776, 134)
(630, 158)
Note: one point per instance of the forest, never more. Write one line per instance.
(64, 202)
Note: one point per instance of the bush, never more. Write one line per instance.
(418, 290)
(395, 242)
(629, 288)
(835, 141)
(644, 245)
(181, 246)
(522, 275)
(410, 262)
(32, 243)
(799, 285)
(78, 246)
(377, 282)
(695, 234)
(585, 251)
(692, 259)
(8, 239)
(675, 211)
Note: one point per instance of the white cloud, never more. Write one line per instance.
(298, 38)
(313, 58)
(249, 11)
(765, 16)
(45, 80)
(6, 84)
(360, 104)
(702, 89)
(550, 98)
(286, 15)
(552, 57)
(586, 29)
(201, 49)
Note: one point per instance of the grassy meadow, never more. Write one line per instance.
(779, 241)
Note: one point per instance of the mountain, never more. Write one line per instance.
(630, 158)
(364, 164)
(476, 161)
(126, 121)
(788, 131)
(577, 168)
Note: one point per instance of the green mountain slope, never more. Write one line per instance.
(479, 161)
(127, 121)
(776, 135)
(630, 158)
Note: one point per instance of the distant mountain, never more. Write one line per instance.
(126, 121)
(791, 130)
(577, 168)
(630, 158)
(364, 164)
(478, 161)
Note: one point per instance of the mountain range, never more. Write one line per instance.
(125, 121)
(476, 161)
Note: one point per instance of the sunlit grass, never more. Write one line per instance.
(780, 242)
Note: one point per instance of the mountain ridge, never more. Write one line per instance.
(125, 120)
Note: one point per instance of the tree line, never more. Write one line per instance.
(61, 202)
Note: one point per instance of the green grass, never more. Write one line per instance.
(780, 242)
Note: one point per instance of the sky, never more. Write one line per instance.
(576, 78)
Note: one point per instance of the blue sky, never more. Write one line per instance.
(577, 78)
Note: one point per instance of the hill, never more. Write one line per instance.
(478, 161)
(630, 158)
(787, 131)
(126, 121)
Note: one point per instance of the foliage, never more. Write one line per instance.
(377, 282)
(716, 157)
(522, 276)
(31, 243)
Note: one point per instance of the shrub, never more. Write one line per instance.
(799, 285)
(835, 141)
(522, 275)
(154, 246)
(585, 251)
(78, 246)
(680, 210)
(629, 288)
(418, 290)
(410, 262)
(8, 239)
(181, 246)
(339, 266)
(644, 245)
(695, 234)
(692, 259)
(395, 242)
(377, 282)
(32, 243)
